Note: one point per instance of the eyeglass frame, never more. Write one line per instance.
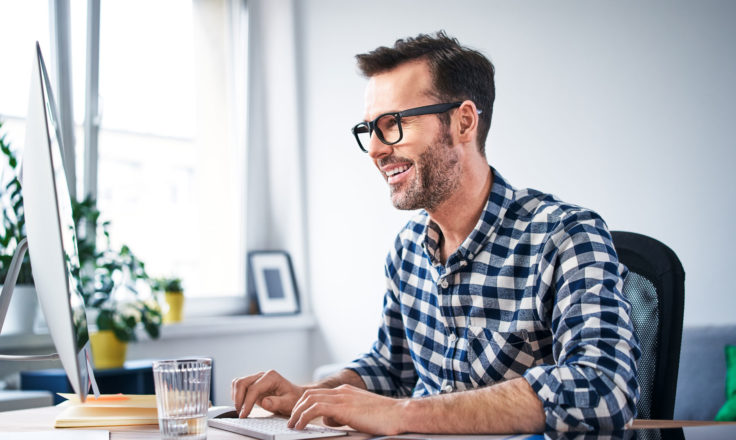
(431, 109)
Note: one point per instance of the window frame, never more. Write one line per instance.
(60, 24)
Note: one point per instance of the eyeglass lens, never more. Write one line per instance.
(362, 132)
(388, 130)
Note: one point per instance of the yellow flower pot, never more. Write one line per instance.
(107, 350)
(175, 301)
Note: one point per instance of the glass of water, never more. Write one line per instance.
(182, 397)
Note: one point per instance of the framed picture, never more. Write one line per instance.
(272, 280)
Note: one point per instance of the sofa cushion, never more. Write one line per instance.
(702, 371)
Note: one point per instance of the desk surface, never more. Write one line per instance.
(42, 419)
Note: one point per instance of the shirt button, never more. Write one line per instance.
(444, 284)
(452, 337)
(448, 388)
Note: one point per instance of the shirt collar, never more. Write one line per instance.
(501, 196)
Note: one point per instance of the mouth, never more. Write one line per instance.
(396, 174)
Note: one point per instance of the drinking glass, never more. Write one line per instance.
(182, 397)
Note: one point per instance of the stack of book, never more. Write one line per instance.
(107, 410)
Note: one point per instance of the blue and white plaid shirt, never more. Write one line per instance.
(534, 291)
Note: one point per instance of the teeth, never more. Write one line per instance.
(397, 170)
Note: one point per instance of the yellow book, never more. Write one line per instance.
(108, 410)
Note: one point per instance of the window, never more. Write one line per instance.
(22, 23)
(170, 157)
(170, 171)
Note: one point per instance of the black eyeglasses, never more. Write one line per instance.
(388, 125)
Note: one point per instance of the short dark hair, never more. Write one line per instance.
(458, 72)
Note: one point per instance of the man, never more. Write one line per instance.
(503, 310)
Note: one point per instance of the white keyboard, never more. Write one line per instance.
(272, 428)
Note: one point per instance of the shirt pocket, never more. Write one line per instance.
(497, 356)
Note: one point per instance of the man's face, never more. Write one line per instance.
(422, 170)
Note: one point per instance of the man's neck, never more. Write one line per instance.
(458, 215)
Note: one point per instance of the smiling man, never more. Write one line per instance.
(503, 311)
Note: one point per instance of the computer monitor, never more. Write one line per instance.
(51, 233)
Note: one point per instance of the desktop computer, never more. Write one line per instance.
(51, 238)
(51, 241)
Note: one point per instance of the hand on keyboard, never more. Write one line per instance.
(269, 390)
(349, 405)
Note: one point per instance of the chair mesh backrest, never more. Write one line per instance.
(655, 286)
(645, 316)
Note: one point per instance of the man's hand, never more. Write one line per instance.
(504, 408)
(269, 390)
(348, 405)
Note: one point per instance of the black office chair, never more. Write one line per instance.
(655, 287)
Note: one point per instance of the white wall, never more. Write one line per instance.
(625, 107)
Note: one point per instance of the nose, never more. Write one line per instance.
(377, 149)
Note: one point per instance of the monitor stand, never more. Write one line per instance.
(6, 295)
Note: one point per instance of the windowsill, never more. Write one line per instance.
(215, 306)
(189, 328)
(227, 325)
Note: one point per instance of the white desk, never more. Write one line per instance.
(15, 399)
(42, 419)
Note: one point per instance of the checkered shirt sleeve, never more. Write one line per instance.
(533, 292)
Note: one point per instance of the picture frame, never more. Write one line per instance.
(272, 282)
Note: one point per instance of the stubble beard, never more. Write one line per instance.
(437, 176)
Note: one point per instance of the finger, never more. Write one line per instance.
(238, 381)
(309, 400)
(319, 409)
(239, 388)
(309, 397)
(299, 407)
(258, 389)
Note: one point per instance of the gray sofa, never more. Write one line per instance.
(702, 375)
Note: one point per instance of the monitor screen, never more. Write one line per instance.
(66, 220)
(51, 233)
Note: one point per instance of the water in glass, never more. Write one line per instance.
(182, 397)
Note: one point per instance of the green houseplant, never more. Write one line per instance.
(111, 279)
(111, 282)
(172, 285)
(12, 230)
(174, 297)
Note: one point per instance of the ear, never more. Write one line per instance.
(466, 122)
